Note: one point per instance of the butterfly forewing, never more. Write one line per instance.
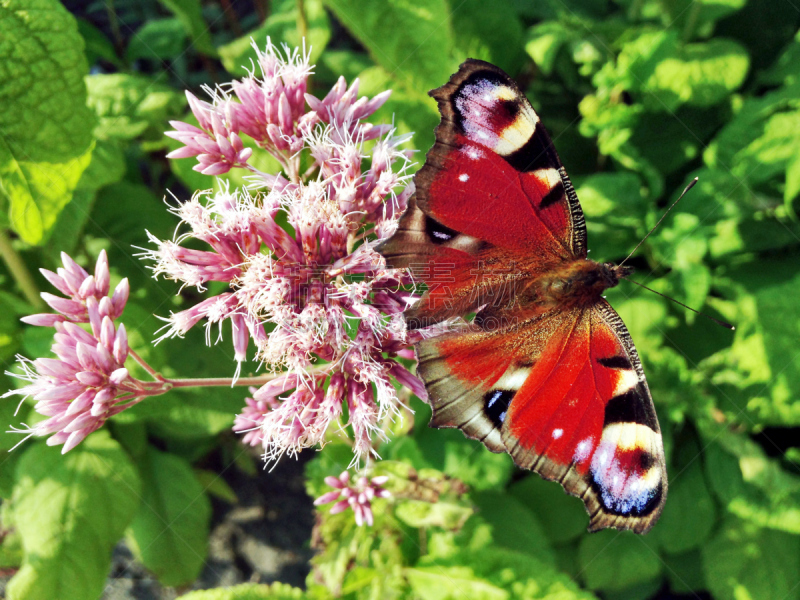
(551, 377)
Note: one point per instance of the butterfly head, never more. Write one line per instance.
(603, 276)
(618, 272)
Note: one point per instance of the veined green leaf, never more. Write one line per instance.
(43, 118)
(491, 35)
(70, 512)
(750, 485)
(746, 562)
(412, 41)
(451, 583)
(545, 40)
(170, 532)
(614, 561)
(162, 39)
(106, 167)
(128, 105)
(37, 192)
(418, 513)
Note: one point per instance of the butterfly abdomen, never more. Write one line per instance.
(578, 283)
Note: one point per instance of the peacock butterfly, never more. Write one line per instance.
(546, 370)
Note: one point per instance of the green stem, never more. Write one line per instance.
(691, 21)
(302, 20)
(20, 272)
(223, 381)
(162, 385)
(144, 364)
(635, 10)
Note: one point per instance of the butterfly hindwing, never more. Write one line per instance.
(565, 395)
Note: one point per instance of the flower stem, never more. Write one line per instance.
(162, 384)
(20, 272)
(220, 381)
(153, 373)
(302, 20)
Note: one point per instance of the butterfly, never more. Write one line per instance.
(546, 370)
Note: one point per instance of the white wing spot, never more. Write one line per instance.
(463, 177)
(582, 450)
(557, 433)
(474, 154)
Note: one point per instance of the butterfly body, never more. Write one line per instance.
(578, 283)
(546, 370)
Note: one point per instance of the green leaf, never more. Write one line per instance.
(190, 14)
(43, 118)
(107, 166)
(161, 39)
(700, 74)
(170, 532)
(613, 561)
(249, 591)
(37, 192)
(522, 576)
(615, 211)
(750, 485)
(761, 140)
(215, 485)
(685, 572)
(786, 69)
(11, 554)
(410, 110)
(467, 460)
(70, 512)
(411, 40)
(491, 35)
(792, 188)
(451, 583)
(766, 341)
(697, 16)
(527, 535)
(8, 467)
(98, 46)
(745, 562)
(545, 40)
(663, 74)
(418, 513)
(690, 514)
(282, 28)
(128, 105)
(562, 517)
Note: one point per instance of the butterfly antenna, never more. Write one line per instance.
(702, 314)
(683, 193)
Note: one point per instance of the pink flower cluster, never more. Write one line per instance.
(271, 111)
(87, 382)
(357, 496)
(314, 297)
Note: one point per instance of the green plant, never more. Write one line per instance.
(640, 96)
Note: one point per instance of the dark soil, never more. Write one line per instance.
(263, 538)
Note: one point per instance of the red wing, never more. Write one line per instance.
(566, 396)
(493, 173)
(493, 202)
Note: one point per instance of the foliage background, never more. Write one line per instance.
(640, 96)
